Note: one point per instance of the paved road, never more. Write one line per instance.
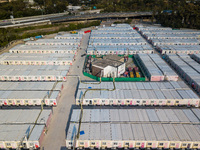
(55, 138)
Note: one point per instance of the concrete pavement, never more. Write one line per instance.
(55, 137)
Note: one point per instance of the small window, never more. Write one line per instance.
(138, 101)
(104, 143)
(70, 143)
(168, 101)
(95, 101)
(149, 144)
(152, 101)
(137, 143)
(144, 101)
(184, 144)
(115, 143)
(160, 101)
(93, 143)
(195, 145)
(126, 143)
(177, 101)
(172, 144)
(103, 101)
(119, 101)
(18, 101)
(8, 144)
(81, 143)
(161, 144)
(128, 101)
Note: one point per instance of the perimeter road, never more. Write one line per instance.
(55, 137)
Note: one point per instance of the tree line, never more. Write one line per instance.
(184, 13)
(8, 35)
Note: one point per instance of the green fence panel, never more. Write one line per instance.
(111, 79)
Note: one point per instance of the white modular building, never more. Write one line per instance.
(31, 86)
(157, 42)
(114, 36)
(55, 42)
(187, 68)
(36, 59)
(155, 68)
(138, 93)
(33, 72)
(29, 98)
(138, 41)
(19, 128)
(168, 73)
(69, 36)
(118, 49)
(187, 49)
(135, 128)
(150, 36)
(22, 48)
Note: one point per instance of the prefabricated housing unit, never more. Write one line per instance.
(187, 68)
(138, 93)
(16, 127)
(135, 128)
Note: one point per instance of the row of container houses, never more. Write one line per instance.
(138, 41)
(114, 36)
(29, 98)
(118, 49)
(177, 85)
(138, 94)
(172, 41)
(196, 57)
(112, 40)
(69, 36)
(55, 42)
(155, 68)
(187, 49)
(33, 63)
(36, 59)
(19, 127)
(43, 49)
(33, 73)
(171, 36)
(135, 128)
(187, 68)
